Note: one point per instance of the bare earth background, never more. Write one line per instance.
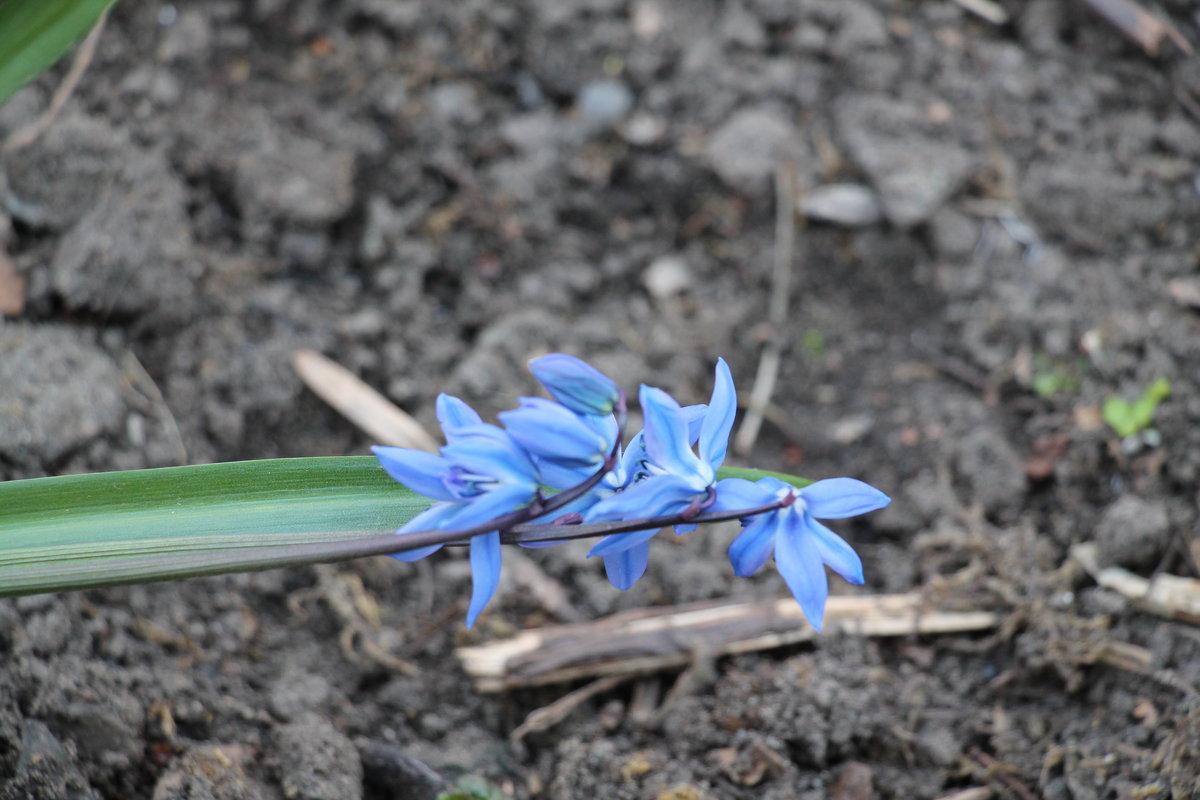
(432, 193)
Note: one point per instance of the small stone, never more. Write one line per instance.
(45, 769)
(667, 276)
(939, 744)
(389, 770)
(750, 146)
(316, 762)
(604, 101)
(456, 102)
(57, 392)
(993, 470)
(1133, 533)
(644, 130)
(847, 204)
(954, 234)
(914, 164)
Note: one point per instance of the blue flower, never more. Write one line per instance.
(577, 385)
(567, 447)
(481, 473)
(802, 546)
(669, 478)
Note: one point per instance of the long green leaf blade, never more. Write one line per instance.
(81, 531)
(35, 33)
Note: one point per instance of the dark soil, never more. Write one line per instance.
(433, 193)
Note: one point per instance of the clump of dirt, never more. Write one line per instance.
(996, 223)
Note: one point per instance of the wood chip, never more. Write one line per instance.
(359, 403)
(647, 640)
(12, 288)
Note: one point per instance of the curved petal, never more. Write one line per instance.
(624, 568)
(651, 497)
(428, 520)
(736, 494)
(686, 527)
(665, 434)
(800, 564)
(718, 422)
(485, 572)
(453, 413)
(694, 417)
(621, 542)
(576, 384)
(420, 471)
(753, 545)
(488, 450)
(554, 432)
(838, 498)
(836, 552)
(488, 506)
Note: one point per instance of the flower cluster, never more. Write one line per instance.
(561, 461)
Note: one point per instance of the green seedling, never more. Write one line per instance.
(1051, 377)
(472, 789)
(1127, 419)
(814, 342)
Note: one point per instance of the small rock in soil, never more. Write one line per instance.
(915, 164)
(314, 761)
(1133, 533)
(45, 770)
(750, 146)
(847, 204)
(992, 468)
(396, 774)
(130, 254)
(57, 392)
(211, 772)
(605, 102)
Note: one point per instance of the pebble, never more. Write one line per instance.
(847, 204)
(1133, 533)
(604, 101)
(667, 276)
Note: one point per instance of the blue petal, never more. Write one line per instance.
(685, 527)
(835, 552)
(553, 431)
(633, 459)
(488, 450)
(428, 520)
(694, 417)
(485, 572)
(665, 435)
(621, 542)
(799, 563)
(718, 422)
(624, 568)
(558, 476)
(487, 506)
(576, 384)
(652, 497)
(453, 414)
(737, 494)
(420, 471)
(837, 498)
(750, 550)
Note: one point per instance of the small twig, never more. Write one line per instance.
(370, 411)
(28, 134)
(145, 382)
(661, 639)
(985, 9)
(777, 311)
(1002, 773)
(1138, 25)
(548, 716)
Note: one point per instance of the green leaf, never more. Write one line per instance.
(1127, 419)
(755, 474)
(110, 528)
(82, 531)
(35, 33)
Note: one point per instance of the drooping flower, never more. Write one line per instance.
(672, 478)
(803, 547)
(480, 474)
